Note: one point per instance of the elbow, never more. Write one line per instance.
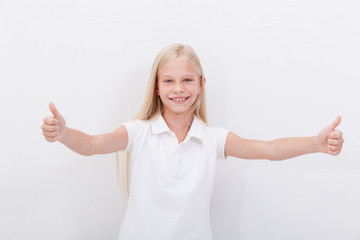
(85, 153)
(274, 154)
(91, 148)
(276, 159)
(269, 152)
(279, 157)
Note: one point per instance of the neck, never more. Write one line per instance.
(179, 124)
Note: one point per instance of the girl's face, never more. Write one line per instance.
(178, 86)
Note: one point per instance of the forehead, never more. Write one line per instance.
(177, 67)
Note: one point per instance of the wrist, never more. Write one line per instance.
(315, 144)
(62, 137)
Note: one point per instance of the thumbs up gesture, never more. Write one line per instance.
(330, 139)
(54, 126)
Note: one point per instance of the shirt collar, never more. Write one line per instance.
(158, 125)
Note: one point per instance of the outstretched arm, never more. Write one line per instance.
(54, 129)
(329, 140)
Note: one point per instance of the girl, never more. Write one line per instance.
(174, 151)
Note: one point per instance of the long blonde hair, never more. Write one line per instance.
(153, 106)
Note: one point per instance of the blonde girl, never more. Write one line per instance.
(173, 151)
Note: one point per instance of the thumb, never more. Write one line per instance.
(54, 111)
(335, 123)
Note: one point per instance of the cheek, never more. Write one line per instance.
(198, 85)
(197, 89)
(161, 91)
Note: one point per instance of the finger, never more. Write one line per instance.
(50, 139)
(335, 148)
(51, 120)
(335, 123)
(336, 141)
(334, 153)
(50, 134)
(336, 134)
(50, 128)
(54, 111)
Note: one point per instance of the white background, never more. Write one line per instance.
(274, 69)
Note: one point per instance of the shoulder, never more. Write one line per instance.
(136, 122)
(209, 128)
(215, 138)
(136, 129)
(211, 131)
(137, 125)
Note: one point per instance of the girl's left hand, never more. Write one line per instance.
(330, 139)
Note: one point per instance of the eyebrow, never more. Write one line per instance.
(187, 75)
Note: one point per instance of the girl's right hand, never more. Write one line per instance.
(54, 126)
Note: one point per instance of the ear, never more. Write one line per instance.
(157, 91)
(202, 83)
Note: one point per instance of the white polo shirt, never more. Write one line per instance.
(171, 183)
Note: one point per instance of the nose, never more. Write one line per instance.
(178, 88)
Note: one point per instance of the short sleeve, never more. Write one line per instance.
(221, 140)
(131, 131)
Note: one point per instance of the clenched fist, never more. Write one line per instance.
(54, 126)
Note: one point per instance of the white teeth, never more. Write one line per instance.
(179, 99)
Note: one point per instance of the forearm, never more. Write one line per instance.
(78, 141)
(285, 148)
(329, 141)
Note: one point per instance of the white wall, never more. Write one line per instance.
(274, 69)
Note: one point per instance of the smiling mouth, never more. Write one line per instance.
(179, 99)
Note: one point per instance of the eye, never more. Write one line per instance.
(187, 80)
(168, 81)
